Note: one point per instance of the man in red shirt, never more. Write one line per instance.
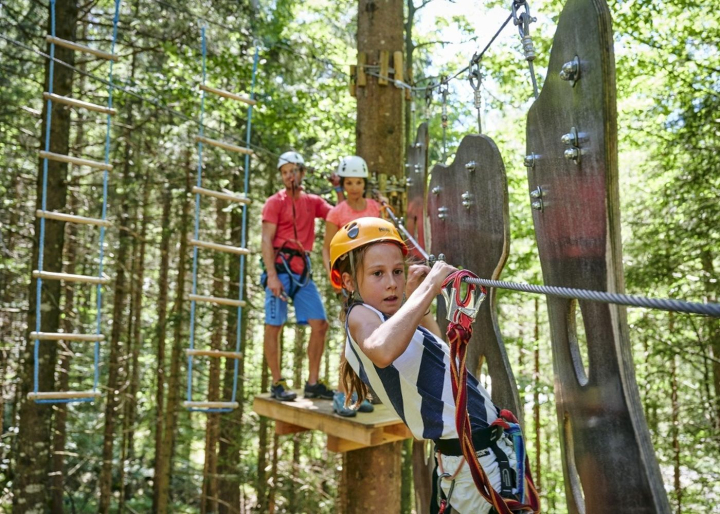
(288, 235)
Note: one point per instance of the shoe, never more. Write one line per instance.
(279, 391)
(339, 406)
(365, 406)
(319, 390)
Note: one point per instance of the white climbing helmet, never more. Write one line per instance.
(353, 166)
(290, 157)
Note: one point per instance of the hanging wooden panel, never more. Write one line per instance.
(468, 213)
(416, 173)
(608, 459)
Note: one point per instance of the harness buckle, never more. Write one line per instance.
(462, 311)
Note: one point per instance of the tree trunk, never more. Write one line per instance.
(273, 476)
(297, 379)
(173, 402)
(116, 350)
(536, 399)
(675, 429)
(32, 484)
(406, 499)
(373, 478)
(713, 330)
(209, 501)
(160, 336)
(261, 484)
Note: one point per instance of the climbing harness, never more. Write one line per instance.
(100, 280)
(475, 79)
(218, 406)
(461, 313)
(522, 21)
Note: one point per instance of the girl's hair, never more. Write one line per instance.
(365, 181)
(349, 378)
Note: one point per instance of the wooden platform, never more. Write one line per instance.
(344, 434)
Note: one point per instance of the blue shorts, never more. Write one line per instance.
(307, 302)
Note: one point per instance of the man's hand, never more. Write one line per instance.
(276, 287)
(334, 180)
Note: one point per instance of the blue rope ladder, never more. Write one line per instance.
(43, 214)
(219, 406)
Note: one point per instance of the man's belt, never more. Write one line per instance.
(482, 439)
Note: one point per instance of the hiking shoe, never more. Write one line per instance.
(279, 391)
(319, 390)
(365, 406)
(339, 406)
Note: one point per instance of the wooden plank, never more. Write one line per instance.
(220, 248)
(216, 299)
(71, 218)
(66, 100)
(384, 67)
(69, 395)
(222, 196)
(228, 94)
(66, 336)
(340, 445)
(214, 353)
(361, 75)
(223, 145)
(282, 428)
(75, 160)
(80, 48)
(398, 66)
(210, 405)
(353, 80)
(67, 277)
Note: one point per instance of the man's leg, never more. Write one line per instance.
(272, 355)
(275, 317)
(316, 346)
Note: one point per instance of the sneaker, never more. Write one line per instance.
(365, 406)
(279, 391)
(319, 390)
(339, 406)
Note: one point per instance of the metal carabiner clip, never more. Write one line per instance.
(462, 311)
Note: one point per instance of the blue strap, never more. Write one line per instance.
(518, 443)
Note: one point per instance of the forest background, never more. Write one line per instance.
(668, 79)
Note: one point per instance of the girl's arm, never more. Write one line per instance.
(385, 342)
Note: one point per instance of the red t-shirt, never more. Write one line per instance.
(342, 213)
(278, 210)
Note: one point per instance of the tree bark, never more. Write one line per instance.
(261, 484)
(536, 398)
(31, 483)
(373, 479)
(160, 336)
(173, 401)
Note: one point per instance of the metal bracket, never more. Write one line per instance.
(571, 71)
(442, 213)
(537, 203)
(470, 166)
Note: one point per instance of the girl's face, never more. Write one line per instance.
(381, 279)
(354, 187)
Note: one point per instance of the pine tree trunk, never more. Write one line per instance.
(273, 475)
(675, 429)
(406, 498)
(261, 483)
(116, 347)
(31, 483)
(164, 464)
(160, 336)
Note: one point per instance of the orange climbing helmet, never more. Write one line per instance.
(359, 233)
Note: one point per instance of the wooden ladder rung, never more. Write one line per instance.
(228, 94)
(75, 160)
(68, 395)
(211, 405)
(222, 196)
(78, 103)
(225, 146)
(216, 299)
(66, 336)
(214, 353)
(81, 220)
(80, 48)
(67, 277)
(220, 248)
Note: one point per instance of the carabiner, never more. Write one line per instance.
(462, 311)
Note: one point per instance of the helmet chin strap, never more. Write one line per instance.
(356, 292)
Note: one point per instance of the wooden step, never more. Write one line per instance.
(210, 405)
(75, 160)
(80, 48)
(58, 395)
(214, 353)
(228, 94)
(220, 248)
(224, 146)
(215, 299)
(78, 103)
(222, 196)
(70, 218)
(66, 336)
(67, 277)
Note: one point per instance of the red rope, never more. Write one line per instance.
(459, 332)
